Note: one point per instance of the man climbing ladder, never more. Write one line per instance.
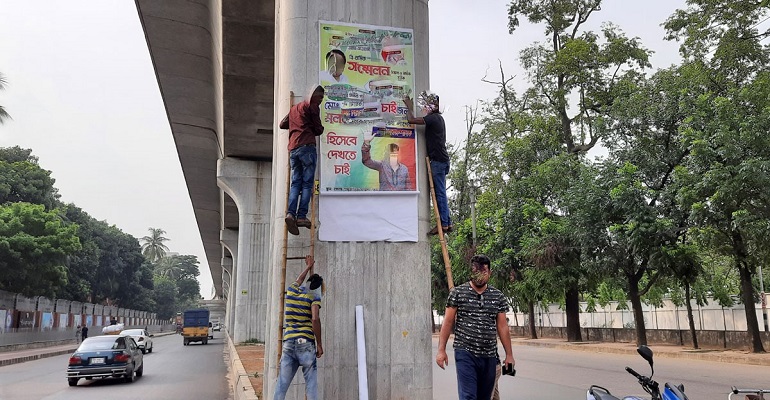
(304, 123)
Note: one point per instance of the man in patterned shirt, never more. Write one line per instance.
(476, 311)
(301, 334)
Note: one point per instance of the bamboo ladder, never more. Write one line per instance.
(441, 237)
(284, 256)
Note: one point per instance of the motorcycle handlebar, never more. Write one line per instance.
(634, 373)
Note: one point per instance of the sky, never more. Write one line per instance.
(83, 96)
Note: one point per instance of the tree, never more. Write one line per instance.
(120, 266)
(580, 65)
(3, 114)
(152, 247)
(168, 267)
(182, 272)
(82, 265)
(22, 179)
(731, 148)
(164, 295)
(645, 222)
(34, 245)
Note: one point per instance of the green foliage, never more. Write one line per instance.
(22, 179)
(34, 245)
(3, 113)
(164, 295)
(681, 198)
(153, 247)
(64, 252)
(179, 287)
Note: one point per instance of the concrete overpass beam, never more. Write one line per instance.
(249, 184)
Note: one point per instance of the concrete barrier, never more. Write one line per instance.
(237, 376)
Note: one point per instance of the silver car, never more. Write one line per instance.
(142, 338)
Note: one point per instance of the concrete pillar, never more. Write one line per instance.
(391, 280)
(248, 183)
(228, 282)
(229, 240)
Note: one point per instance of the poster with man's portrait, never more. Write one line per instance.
(366, 71)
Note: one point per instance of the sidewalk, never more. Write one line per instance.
(660, 350)
(20, 356)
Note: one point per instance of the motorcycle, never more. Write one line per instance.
(670, 391)
(751, 394)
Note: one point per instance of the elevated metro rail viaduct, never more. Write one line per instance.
(225, 69)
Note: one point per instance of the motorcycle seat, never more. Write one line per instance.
(600, 393)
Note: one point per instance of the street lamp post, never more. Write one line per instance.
(762, 294)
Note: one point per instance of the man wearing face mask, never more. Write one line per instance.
(476, 311)
(393, 174)
(301, 333)
(335, 66)
(435, 144)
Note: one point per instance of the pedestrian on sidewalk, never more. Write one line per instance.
(84, 333)
(435, 142)
(78, 332)
(476, 311)
(304, 123)
(301, 333)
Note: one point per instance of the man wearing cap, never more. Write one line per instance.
(301, 333)
(476, 311)
(435, 142)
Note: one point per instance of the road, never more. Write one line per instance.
(547, 374)
(172, 371)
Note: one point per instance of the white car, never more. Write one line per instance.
(142, 338)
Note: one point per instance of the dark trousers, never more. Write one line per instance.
(475, 375)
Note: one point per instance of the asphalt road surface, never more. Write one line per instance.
(550, 374)
(171, 371)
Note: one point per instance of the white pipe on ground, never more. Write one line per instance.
(363, 385)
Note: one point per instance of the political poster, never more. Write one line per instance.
(367, 145)
(367, 167)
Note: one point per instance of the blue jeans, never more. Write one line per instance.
(302, 175)
(440, 170)
(295, 354)
(475, 375)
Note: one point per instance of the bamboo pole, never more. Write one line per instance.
(441, 237)
(284, 258)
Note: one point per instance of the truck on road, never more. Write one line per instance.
(196, 326)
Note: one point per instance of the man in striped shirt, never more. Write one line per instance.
(476, 311)
(301, 333)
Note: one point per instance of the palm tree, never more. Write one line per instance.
(3, 114)
(153, 248)
(169, 267)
